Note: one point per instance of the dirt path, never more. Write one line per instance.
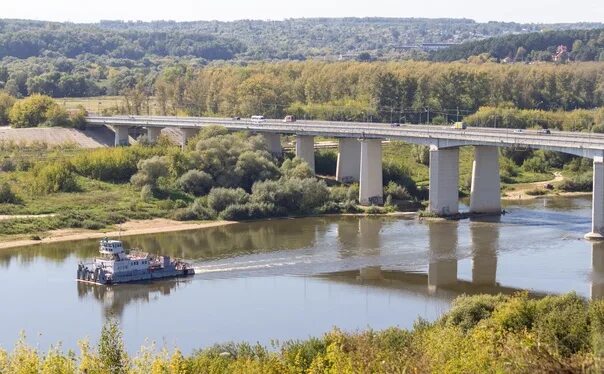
(519, 191)
(141, 227)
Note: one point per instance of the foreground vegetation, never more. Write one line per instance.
(480, 334)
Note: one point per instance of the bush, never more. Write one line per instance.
(240, 212)
(579, 183)
(149, 171)
(221, 198)
(399, 175)
(37, 110)
(7, 165)
(147, 193)
(195, 182)
(296, 168)
(397, 192)
(6, 103)
(56, 177)
(7, 196)
(111, 164)
(467, 311)
(535, 165)
(255, 166)
(78, 118)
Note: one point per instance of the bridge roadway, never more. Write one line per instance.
(360, 153)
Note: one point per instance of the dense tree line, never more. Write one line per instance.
(580, 45)
(405, 92)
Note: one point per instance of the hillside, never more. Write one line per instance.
(574, 45)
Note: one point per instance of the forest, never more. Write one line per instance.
(580, 45)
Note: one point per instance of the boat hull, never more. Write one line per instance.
(89, 277)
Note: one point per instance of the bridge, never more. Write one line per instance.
(360, 153)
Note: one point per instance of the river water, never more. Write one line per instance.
(295, 278)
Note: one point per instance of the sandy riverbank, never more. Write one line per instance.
(153, 226)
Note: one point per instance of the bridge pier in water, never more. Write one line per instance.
(442, 265)
(121, 135)
(349, 160)
(597, 205)
(444, 181)
(486, 191)
(305, 149)
(153, 133)
(485, 242)
(273, 143)
(371, 191)
(187, 133)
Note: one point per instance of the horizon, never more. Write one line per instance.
(167, 20)
(513, 11)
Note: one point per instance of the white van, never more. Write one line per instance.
(257, 119)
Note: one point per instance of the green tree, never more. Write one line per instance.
(112, 353)
(6, 103)
(37, 110)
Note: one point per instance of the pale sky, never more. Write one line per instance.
(530, 11)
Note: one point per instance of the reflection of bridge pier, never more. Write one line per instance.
(442, 268)
(359, 235)
(597, 270)
(485, 243)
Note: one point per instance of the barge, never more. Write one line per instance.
(116, 265)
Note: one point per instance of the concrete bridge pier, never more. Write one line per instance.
(597, 270)
(121, 135)
(305, 149)
(444, 181)
(486, 191)
(371, 191)
(597, 205)
(153, 133)
(349, 160)
(273, 143)
(187, 133)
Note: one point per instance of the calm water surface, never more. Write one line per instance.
(291, 279)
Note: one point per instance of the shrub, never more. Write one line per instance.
(147, 193)
(6, 103)
(582, 183)
(467, 311)
(254, 166)
(535, 164)
(221, 198)
(56, 177)
(202, 211)
(296, 168)
(398, 174)
(36, 110)
(78, 118)
(397, 192)
(149, 171)
(195, 182)
(111, 164)
(240, 212)
(7, 165)
(7, 196)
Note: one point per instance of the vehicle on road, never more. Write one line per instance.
(289, 118)
(236, 118)
(544, 131)
(395, 124)
(257, 119)
(518, 131)
(459, 126)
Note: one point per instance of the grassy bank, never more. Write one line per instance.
(480, 334)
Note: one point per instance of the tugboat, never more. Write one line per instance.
(118, 266)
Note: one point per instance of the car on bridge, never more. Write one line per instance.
(257, 119)
(289, 118)
(459, 126)
(544, 131)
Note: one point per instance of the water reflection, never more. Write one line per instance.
(115, 299)
(442, 266)
(484, 234)
(597, 272)
(359, 236)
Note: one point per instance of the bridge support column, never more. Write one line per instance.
(273, 143)
(371, 191)
(486, 191)
(153, 133)
(597, 270)
(121, 135)
(444, 181)
(305, 149)
(187, 133)
(597, 208)
(349, 160)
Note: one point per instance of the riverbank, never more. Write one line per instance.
(136, 227)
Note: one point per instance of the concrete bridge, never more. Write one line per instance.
(360, 153)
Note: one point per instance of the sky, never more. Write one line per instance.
(525, 11)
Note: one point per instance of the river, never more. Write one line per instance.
(295, 278)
